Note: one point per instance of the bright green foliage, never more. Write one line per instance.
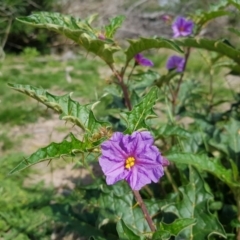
(173, 229)
(202, 162)
(235, 3)
(227, 140)
(136, 119)
(111, 212)
(53, 150)
(78, 30)
(202, 17)
(220, 46)
(142, 44)
(167, 130)
(194, 205)
(125, 232)
(115, 23)
(69, 110)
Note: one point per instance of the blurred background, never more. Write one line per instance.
(45, 202)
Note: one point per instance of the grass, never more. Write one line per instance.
(50, 74)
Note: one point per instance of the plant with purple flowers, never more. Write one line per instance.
(133, 158)
(141, 60)
(121, 135)
(175, 62)
(182, 27)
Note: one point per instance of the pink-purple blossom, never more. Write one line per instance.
(182, 27)
(141, 60)
(101, 36)
(133, 158)
(175, 62)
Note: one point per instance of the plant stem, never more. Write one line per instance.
(237, 197)
(144, 210)
(171, 180)
(4, 40)
(123, 86)
(175, 94)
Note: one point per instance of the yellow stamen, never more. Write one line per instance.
(129, 162)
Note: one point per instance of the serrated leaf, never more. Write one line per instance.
(140, 81)
(142, 44)
(117, 202)
(220, 46)
(69, 110)
(177, 226)
(202, 162)
(235, 68)
(174, 228)
(115, 23)
(235, 3)
(76, 29)
(203, 17)
(194, 204)
(165, 79)
(161, 235)
(167, 130)
(125, 232)
(53, 150)
(234, 30)
(136, 119)
(227, 139)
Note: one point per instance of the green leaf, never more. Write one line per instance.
(117, 202)
(194, 205)
(115, 23)
(69, 110)
(234, 30)
(227, 140)
(167, 130)
(53, 150)
(204, 163)
(235, 3)
(142, 44)
(136, 119)
(203, 17)
(220, 46)
(76, 29)
(161, 235)
(178, 225)
(165, 79)
(174, 228)
(125, 232)
(140, 81)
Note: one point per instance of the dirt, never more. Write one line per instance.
(58, 173)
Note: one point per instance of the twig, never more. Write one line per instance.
(123, 86)
(175, 95)
(144, 210)
(6, 33)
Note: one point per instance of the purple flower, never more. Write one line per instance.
(166, 18)
(141, 60)
(101, 36)
(182, 27)
(175, 62)
(133, 158)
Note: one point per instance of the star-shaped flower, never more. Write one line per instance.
(133, 158)
(182, 27)
(175, 62)
(141, 60)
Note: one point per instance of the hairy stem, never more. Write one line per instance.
(237, 197)
(144, 210)
(123, 87)
(4, 40)
(176, 92)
